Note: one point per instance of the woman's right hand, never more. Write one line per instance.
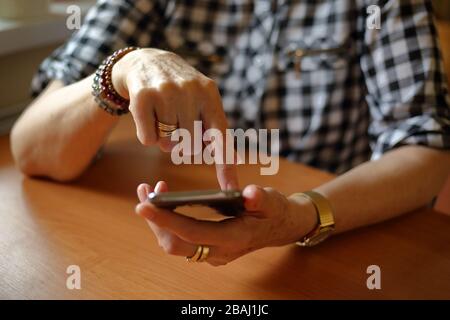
(163, 87)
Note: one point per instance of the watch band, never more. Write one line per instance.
(325, 217)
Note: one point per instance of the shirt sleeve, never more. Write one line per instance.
(407, 91)
(108, 26)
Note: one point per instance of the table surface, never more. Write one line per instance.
(45, 227)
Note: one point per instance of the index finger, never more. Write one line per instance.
(225, 162)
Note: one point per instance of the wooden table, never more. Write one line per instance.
(45, 227)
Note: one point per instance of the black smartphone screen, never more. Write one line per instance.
(229, 203)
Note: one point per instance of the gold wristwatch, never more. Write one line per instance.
(325, 216)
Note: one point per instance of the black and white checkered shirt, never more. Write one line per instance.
(355, 93)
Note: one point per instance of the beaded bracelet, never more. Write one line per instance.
(103, 90)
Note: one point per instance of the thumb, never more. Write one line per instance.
(256, 200)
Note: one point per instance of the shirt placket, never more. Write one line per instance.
(262, 43)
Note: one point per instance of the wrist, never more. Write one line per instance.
(103, 88)
(325, 216)
(119, 76)
(124, 66)
(305, 216)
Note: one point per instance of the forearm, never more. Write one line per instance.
(402, 180)
(60, 133)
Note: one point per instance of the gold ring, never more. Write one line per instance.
(200, 255)
(196, 255)
(204, 255)
(165, 130)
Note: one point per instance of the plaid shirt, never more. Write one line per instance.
(354, 94)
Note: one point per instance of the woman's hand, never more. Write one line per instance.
(163, 87)
(270, 219)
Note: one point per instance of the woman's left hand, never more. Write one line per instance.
(271, 219)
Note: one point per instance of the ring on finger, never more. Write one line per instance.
(204, 255)
(200, 255)
(165, 130)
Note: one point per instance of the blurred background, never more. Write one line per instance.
(31, 29)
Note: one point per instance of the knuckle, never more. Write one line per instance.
(167, 55)
(168, 89)
(209, 84)
(186, 84)
(143, 94)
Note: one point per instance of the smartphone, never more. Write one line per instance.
(228, 203)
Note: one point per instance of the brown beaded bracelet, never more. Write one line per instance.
(102, 88)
